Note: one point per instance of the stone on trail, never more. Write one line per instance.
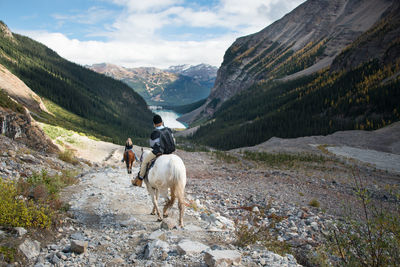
(79, 246)
(30, 249)
(21, 231)
(153, 246)
(193, 228)
(188, 247)
(168, 224)
(158, 234)
(220, 257)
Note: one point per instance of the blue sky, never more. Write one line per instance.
(135, 33)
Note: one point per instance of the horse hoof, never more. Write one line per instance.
(152, 213)
(159, 220)
(165, 215)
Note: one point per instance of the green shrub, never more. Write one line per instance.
(68, 156)
(314, 203)
(373, 240)
(41, 186)
(224, 156)
(277, 159)
(248, 235)
(7, 102)
(16, 211)
(8, 253)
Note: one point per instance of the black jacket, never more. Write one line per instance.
(155, 140)
(128, 147)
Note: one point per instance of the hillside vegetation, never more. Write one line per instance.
(79, 98)
(319, 104)
(360, 90)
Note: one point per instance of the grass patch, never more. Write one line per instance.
(189, 147)
(8, 253)
(7, 102)
(265, 235)
(68, 156)
(324, 149)
(314, 203)
(225, 156)
(33, 202)
(278, 159)
(373, 239)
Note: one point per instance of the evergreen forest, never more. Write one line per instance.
(78, 98)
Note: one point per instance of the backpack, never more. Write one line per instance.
(167, 141)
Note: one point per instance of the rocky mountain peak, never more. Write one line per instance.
(301, 43)
(5, 31)
(202, 72)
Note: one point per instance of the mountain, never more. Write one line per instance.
(204, 73)
(75, 97)
(324, 67)
(179, 85)
(302, 42)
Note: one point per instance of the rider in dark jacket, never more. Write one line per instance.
(157, 150)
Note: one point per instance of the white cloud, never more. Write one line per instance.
(135, 38)
(92, 16)
(160, 54)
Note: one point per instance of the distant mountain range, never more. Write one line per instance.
(325, 66)
(175, 86)
(63, 93)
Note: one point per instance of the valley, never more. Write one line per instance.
(175, 86)
(291, 146)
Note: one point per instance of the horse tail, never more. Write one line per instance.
(179, 177)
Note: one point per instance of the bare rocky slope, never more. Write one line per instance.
(302, 42)
(18, 90)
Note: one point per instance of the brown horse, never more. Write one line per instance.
(129, 158)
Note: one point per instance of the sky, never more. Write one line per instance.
(141, 33)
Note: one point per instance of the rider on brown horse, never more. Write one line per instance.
(129, 155)
(128, 146)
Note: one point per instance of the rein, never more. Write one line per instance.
(141, 156)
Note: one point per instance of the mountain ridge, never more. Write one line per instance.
(175, 86)
(76, 98)
(310, 36)
(359, 90)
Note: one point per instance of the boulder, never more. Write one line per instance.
(154, 246)
(222, 257)
(188, 247)
(30, 249)
(158, 234)
(21, 231)
(79, 246)
(168, 224)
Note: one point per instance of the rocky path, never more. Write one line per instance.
(110, 222)
(112, 226)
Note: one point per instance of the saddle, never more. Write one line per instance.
(150, 165)
(137, 181)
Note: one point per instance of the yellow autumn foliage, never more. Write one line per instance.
(15, 211)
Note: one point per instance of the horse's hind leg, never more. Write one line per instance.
(181, 205)
(130, 167)
(155, 205)
(169, 203)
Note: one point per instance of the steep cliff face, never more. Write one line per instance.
(22, 128)
(302, 42)
(382, 41)
(18, 90)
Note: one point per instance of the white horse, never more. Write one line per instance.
(168, 172)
